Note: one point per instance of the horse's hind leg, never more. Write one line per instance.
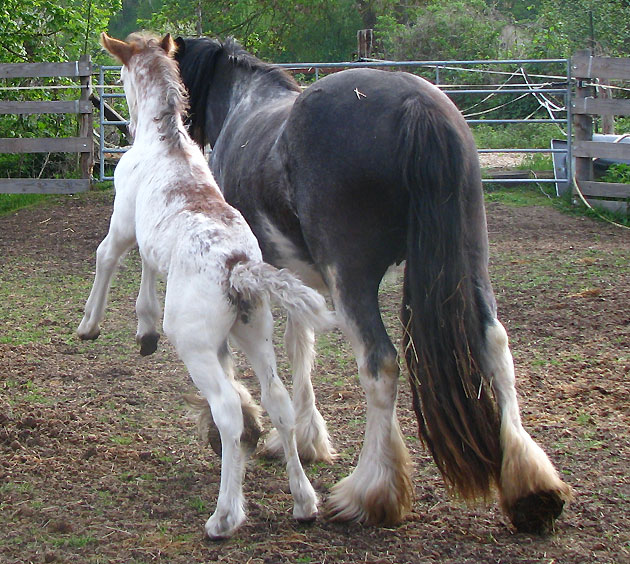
(379, 490)
(148, 312)
(206, 428)
(254, 338)
(531, 492)
(313, 441)
(198, 334)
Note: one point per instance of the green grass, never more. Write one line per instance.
(73, 541)
(520, 195)
(12, 202)
(536, 161)
(199, 505)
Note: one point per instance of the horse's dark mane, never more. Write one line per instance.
(242, 58)
(198, 60)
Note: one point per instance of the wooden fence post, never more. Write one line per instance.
(583, 124)
(86, 121)
(607, 120)
(365, 43)
(586, 69)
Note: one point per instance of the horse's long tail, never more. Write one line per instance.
(445, 303)
(306, 306)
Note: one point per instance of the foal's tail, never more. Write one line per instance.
(306, 306)
(446, 298)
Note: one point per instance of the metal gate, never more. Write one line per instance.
(551, 89)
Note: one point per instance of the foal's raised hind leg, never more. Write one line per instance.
(198, 327)
(313, 441)
(254, 338)
(531, 492)
(148, 312)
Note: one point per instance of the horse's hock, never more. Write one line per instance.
(82, 144)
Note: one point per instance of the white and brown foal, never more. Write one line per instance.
(168, 203)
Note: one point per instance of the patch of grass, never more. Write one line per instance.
(536, 161)
(199, 505)
(584, 419)
(121, 440)
(519, 195)
(571, 205)
(30, 394)
(73, 541)
(45, 309)
(601, 214)
(13, 202)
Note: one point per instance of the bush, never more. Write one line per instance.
(515, 136)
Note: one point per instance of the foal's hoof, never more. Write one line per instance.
(89, 336)
(148, 343)
(249, 439)
(537, 512)
(222, 525)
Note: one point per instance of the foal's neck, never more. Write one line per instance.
(156, 121)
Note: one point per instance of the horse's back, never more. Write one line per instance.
(343, 144)
(355, 117)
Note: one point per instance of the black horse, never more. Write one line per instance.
(362, 170)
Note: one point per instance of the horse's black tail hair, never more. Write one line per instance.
(445, 306)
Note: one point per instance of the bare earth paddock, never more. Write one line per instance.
(99, 464)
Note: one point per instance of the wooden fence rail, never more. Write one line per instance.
(82, 144)
(586, 69)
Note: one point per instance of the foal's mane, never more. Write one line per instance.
(198, 62)
(163, 71)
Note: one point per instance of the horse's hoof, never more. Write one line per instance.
(536, 513)
(249, 439)
(308, 518)
(148, 343)
(89, 336)
(222, 526)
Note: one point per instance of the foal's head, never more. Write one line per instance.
(150, 74)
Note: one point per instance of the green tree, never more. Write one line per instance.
(442, 30)
(564, 26)
(277, 30)
(47, 30)
(126, 20)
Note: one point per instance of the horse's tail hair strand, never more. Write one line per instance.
(444, 310)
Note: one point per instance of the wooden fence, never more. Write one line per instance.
(82, 144)
(586, 69)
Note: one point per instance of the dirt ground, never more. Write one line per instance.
(99, 464)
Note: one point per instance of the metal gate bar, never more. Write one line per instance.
(437, 65)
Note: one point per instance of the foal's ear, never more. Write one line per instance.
(119, 49)
(168, 44)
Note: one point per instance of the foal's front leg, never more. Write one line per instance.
(148, 311)
(115, 245)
